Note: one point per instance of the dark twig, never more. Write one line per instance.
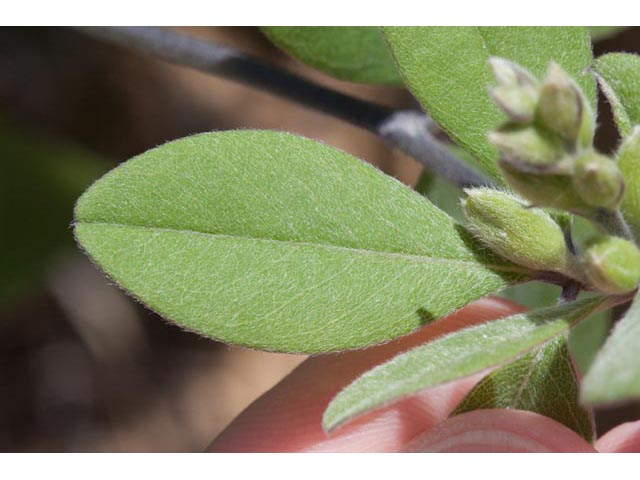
(570, 291)
(406, 130)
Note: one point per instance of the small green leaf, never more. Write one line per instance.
(454, 356)
(619, 77)
(615, 373)
(274, 241)
(447, 68)
(357, 54)
(543, 381)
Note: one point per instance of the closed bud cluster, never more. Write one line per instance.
(547, 153)
(526, 236)
(612, 265)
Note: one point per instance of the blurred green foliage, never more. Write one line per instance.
(40, 181)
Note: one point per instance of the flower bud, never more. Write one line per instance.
(528, 148)
(526, 236)
(563, 109)
(509, 73)
(598, 180)
(612, 265)
(550, 191)
(517, 91)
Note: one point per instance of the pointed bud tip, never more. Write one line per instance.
(510, 74)
(563, 109)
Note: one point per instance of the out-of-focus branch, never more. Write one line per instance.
(408, 131)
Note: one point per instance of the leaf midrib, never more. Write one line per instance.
(361, 251)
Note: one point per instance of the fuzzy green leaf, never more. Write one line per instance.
(614, 375)
(454, 356)
(542, 381)
(274, 241)
(447, 69)
(619, 77)
(357, 54)
(628, 156)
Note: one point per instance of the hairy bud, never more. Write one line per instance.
(528, 148)
(550, 191)
(517, 91)
(526, 236)
(510, 74)
(563, 109)
(612, 265)
(598, 180)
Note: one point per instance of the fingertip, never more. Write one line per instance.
(500, 431)
(624, 438)
(289, 416)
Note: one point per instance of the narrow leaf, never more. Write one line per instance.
(619, 77)
(273, 241)
(448, 71)
(543, 381)
(454, 356)
(357, 54)
(615, 373)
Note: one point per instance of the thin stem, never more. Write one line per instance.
(613, 222)
(408, 131)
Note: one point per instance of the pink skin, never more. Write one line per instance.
(288, 417)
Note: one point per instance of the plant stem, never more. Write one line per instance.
(407, 131)
(613, 222)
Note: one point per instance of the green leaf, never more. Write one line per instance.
(542, 381)
(448, 71)
(454, 356)
(619, 77)
(533, 294)
(41, 178)
(357, 54)
(587, 338)
(628, 156)
(615, 373)
(274, 241)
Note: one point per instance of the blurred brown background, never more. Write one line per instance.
(82, 366)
